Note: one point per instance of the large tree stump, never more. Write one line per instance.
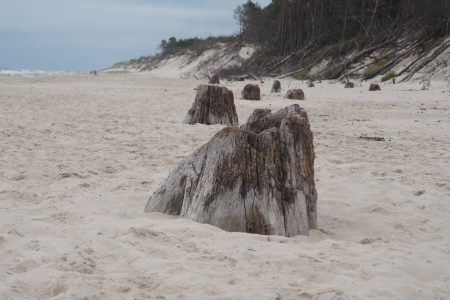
(276, 87)
(374, 87)
(214, 79)
(213, 105)
(295, 94)
(251, 92)
(257, 114)
(258, 178)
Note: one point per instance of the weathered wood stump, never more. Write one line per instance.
(374, 87)
(295, 94)
(257, 114)
(349, 85)
(251, 92)
(213, 105)
(258, 178)
(214, 79)
(311, 84)
(276, 87)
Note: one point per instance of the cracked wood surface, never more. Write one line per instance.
(251, 92)
(276, 87)
(257, 178)
(295, 94)
(213, 105)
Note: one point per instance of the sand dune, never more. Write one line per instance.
(79, 157)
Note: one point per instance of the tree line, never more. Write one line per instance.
(173, 45)
(285, 26)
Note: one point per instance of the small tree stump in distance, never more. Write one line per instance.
(311, 84)
(258, 178)
(213, 105)
(214, 79)
(349, 85)
(374, 87)
(295, 94)
(251, 92)
(276, 87)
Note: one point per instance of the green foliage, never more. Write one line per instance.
(372, 68)
(301, 76)
(258, 25)
(231, 71)
(174, 45)
(388, 76)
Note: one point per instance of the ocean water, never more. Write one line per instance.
(33, 73)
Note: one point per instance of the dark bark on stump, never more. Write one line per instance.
(295, 94)
(257, 179)
(276, 87)
(374, 87)
(251, 92)
(258, 114)
(213, 105)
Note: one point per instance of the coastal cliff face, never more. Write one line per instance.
(189, 63)
(409, 63)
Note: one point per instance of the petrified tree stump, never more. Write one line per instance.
(257, 114)
(349, 85)
(258, 178)
(276, 87)
(374, 87)
(251, 92)
(295, 94)
(213, 105)
(214, 79)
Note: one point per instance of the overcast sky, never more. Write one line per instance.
(94, 34)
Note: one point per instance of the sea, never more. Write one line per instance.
(34, 73)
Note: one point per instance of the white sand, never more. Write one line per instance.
(79, 157)
(188, 65)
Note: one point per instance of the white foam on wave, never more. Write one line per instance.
(32, 73)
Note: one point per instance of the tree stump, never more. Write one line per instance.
(214, 79)
(295, 94)
(276, 87)
(213, 105)
(374, 87)
(251, 92)
(258, 178)
(311, 84)
(257, 114)
(349, 85)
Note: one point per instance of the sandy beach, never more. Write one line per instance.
(80, 156)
